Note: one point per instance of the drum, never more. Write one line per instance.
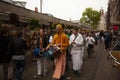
(54, 51)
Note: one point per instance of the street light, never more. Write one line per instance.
(40, 6)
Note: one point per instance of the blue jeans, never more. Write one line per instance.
(20, 65)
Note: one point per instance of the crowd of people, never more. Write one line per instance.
(72, 44)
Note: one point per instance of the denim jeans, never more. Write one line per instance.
(20, 65)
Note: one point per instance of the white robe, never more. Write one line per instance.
(76, 51)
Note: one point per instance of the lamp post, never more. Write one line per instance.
(40, 6)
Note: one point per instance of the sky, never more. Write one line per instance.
(67, 9)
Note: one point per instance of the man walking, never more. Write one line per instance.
(76, 41)
(61, 40)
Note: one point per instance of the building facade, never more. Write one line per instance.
(113, 14)
(102, 23)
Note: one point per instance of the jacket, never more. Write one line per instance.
(18, 46)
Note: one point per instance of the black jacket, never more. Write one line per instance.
(45, 41)
(18, 46)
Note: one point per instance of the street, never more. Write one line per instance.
(97, 68)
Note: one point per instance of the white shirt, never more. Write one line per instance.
(90, 40)
(97, 34)
(78, 41)
(50, 39)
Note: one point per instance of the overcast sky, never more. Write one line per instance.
(66, 9)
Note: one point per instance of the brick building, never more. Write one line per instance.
(113, 14)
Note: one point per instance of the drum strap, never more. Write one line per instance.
(75, 38)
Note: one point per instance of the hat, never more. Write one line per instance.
(60, 27)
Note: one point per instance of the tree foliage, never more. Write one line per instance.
(90, 17)
(34, 24)
(53, 26)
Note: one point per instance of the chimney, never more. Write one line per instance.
(36, 9)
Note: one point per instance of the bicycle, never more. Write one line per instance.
(114, 54)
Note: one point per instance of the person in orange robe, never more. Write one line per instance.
(61, 40)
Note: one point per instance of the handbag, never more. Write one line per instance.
(37, 52)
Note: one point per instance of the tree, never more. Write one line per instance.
(52, 26)
(90, 17)
(34, 24)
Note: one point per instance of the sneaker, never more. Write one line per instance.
(75, 71)
(62, 77)
(79, 73)
(68, 78)
(37, 76)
